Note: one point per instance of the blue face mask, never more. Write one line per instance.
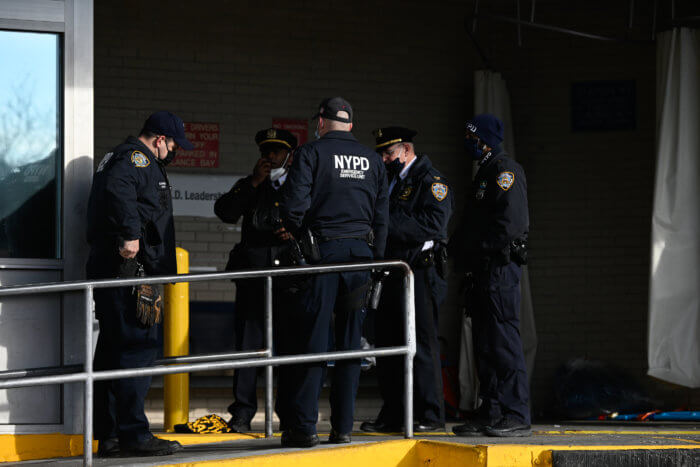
(472, 148)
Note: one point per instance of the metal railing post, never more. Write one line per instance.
(268, 347)
(88, 399)
(410, 330)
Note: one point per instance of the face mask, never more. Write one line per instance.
(275, 174)
(317, 135)
(168, 158)
(472, 148)
(395, 167)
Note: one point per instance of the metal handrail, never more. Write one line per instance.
(87, 375)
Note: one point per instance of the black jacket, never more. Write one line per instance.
(259, 207)
(337, 187)
(420, 207)
(130, 199)
(495, 214)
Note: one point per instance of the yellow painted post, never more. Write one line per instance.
(176, 342)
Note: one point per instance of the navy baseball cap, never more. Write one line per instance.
(168, 124)
(332, 106)
(488, 128)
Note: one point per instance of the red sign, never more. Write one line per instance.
(205, 138)
(297, 127)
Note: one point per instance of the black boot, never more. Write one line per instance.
(108, 447)
(471, 428)
(339, 438)
(152, 447)
(379, 426)
(295, 439)
(509, 428)
(423, 427)
(238, 425)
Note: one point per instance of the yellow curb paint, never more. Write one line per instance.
(692, 441)
(384, 453)
(44, 446)
(613, 432)
(399, 453)
(409, 453)
(195, 438)
(53, 445)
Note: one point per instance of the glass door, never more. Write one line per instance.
(30, 145)
(31, 161)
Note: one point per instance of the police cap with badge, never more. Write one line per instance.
(385, 137)
(275, 138)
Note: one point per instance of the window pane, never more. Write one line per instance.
(30, 145)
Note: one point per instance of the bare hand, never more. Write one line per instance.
(282, 234)
(261, 171)
(129, 249)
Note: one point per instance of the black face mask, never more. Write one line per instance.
(395, 167)
(168, 158)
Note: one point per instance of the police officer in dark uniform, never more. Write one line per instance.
(256, 198)
(337, 189)
(130, 216)
(420, 206)
(491, 243)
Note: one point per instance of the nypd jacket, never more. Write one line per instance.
(495, 214)
(130, 199)
(337, 187)
(420, 207)
(259, 207)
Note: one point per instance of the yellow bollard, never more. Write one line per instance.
(176, 342)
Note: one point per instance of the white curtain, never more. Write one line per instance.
(491, 96)
(674, 306)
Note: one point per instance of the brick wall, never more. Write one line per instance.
(410, 63)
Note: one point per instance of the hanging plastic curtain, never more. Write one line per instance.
(674, 295)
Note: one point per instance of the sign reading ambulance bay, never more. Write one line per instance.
(205, 137)
(351, 166)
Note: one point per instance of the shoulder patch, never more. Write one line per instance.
(439, 191)
(505, 180)
(139, 159)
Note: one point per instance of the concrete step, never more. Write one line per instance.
(559, 445)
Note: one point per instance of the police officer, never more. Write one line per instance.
(420, 206)
(130, 216)
(491, 243)
(337, 189)
(256, 198)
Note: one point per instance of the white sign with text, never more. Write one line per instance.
(195, 194)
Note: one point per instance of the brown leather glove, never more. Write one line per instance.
(149, 304)
(149, 301)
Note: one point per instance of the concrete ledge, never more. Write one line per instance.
(547, 447)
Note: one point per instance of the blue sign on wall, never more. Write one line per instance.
(603, 105)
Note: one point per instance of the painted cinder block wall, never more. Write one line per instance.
(410, 63)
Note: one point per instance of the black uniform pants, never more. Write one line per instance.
(249, 328)
(499, 350)
(343, 294)
(119, 404)
(428, 400)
